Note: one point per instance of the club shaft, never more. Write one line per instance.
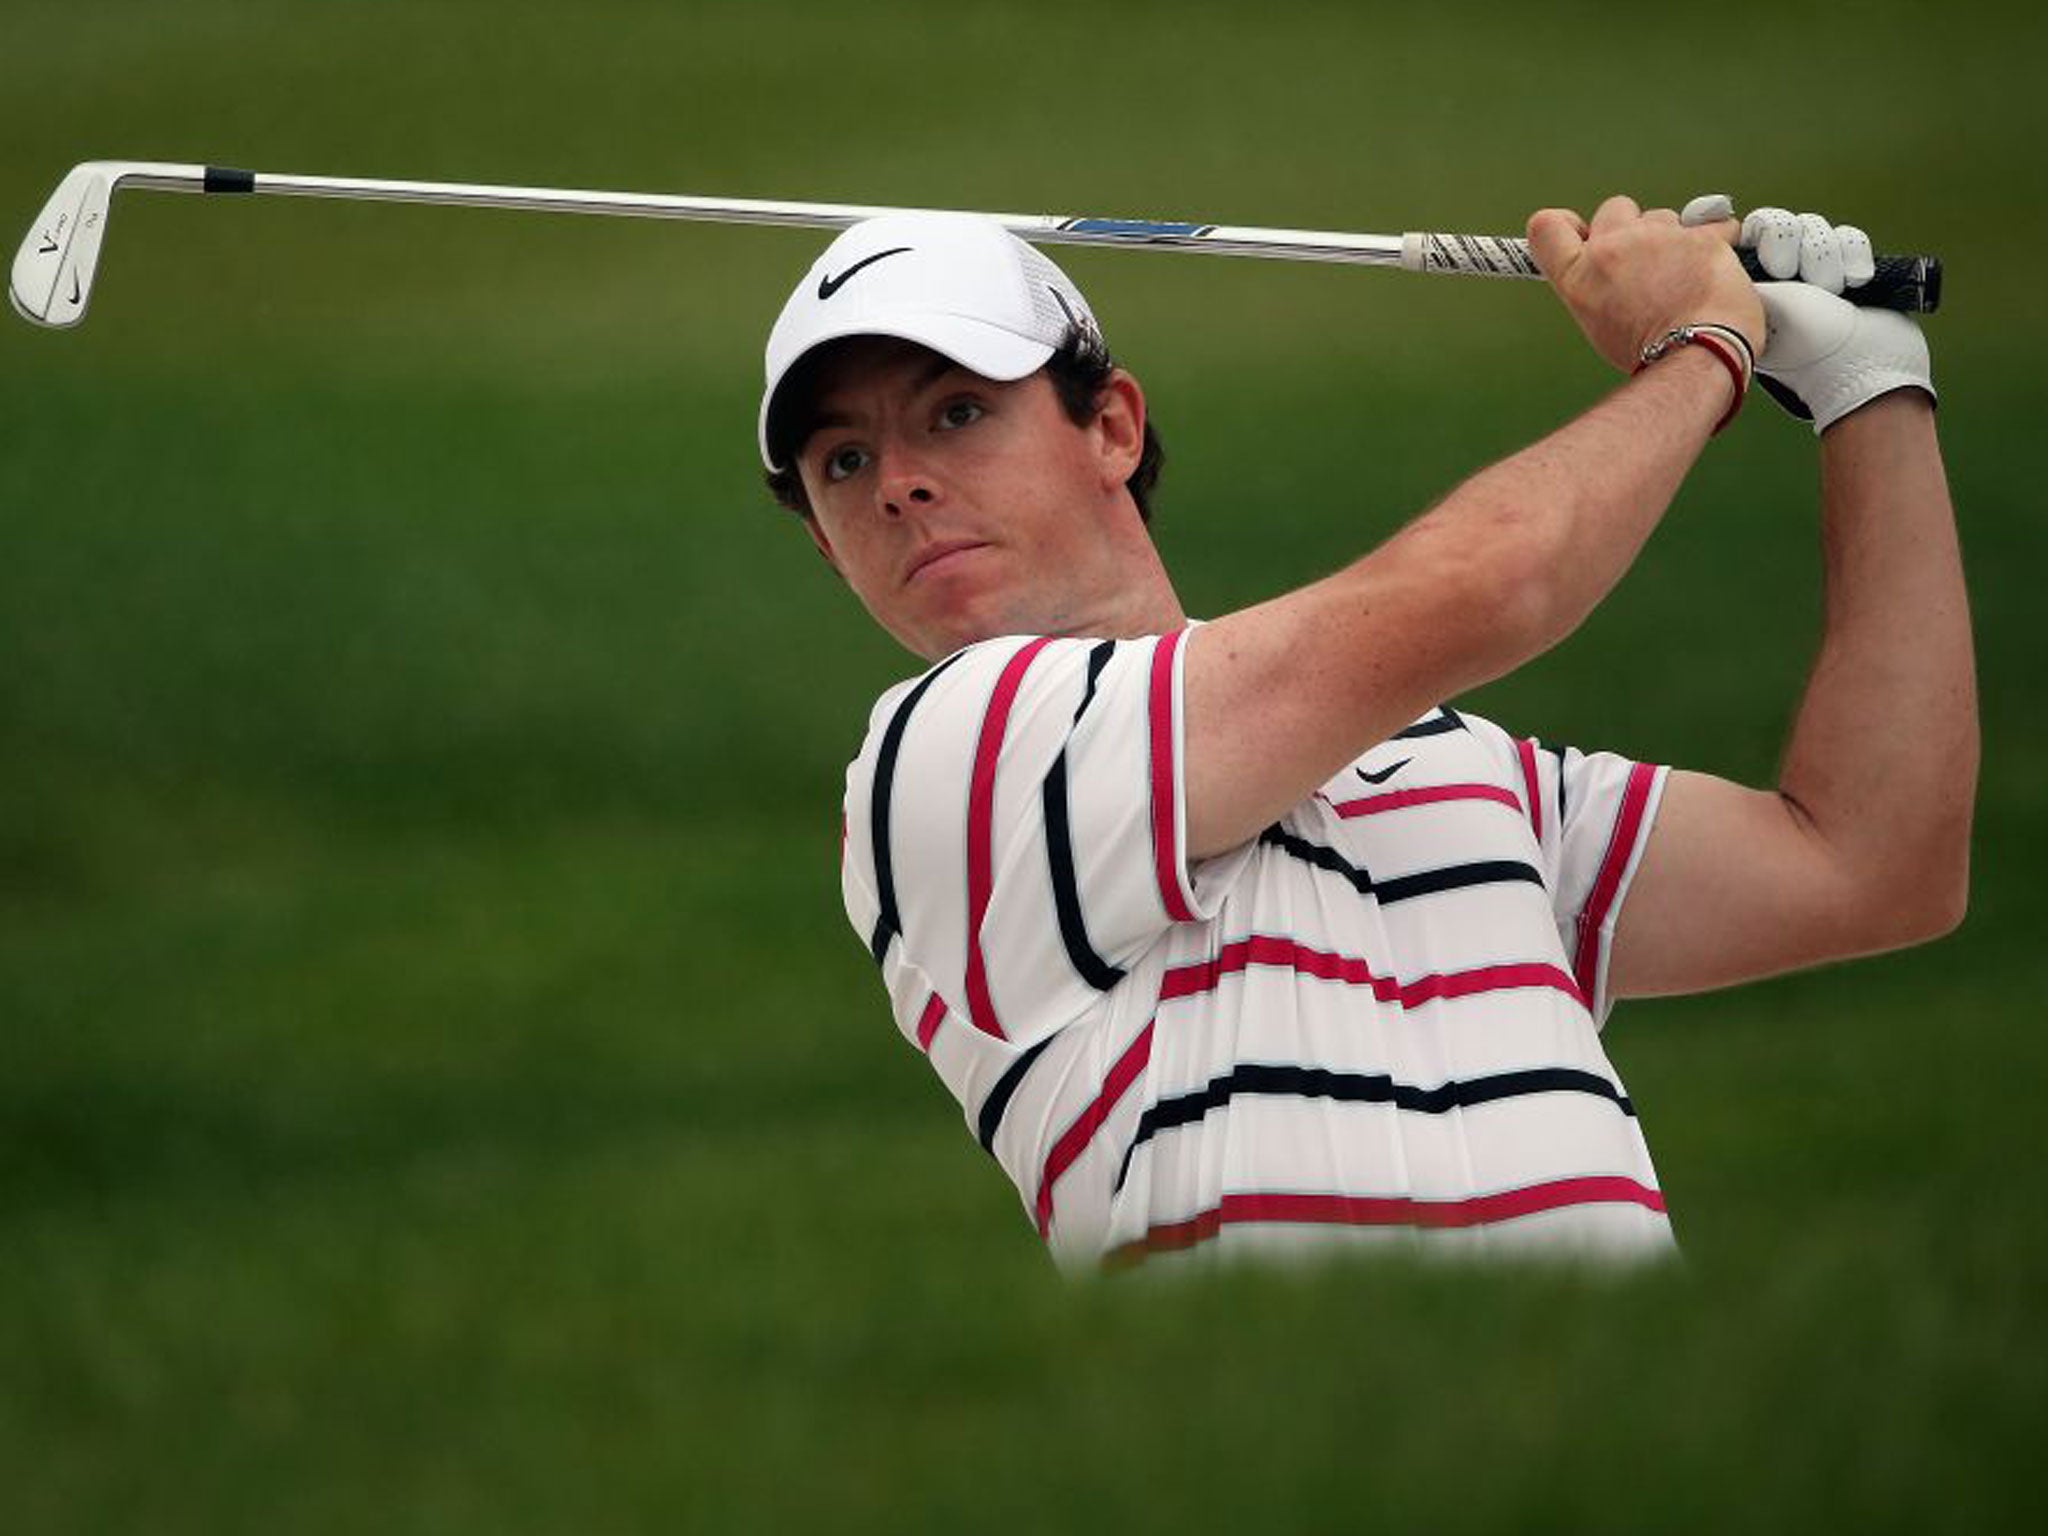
(1287, 244)
(1911, 283)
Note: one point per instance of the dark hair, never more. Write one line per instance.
(1077, 371)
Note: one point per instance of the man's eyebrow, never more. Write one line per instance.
(930, 374)
(933, 371)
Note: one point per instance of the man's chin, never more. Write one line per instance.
(938, 644)
(968, 618)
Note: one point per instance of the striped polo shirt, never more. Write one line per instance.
(1374, 1024)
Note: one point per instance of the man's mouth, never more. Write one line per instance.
(932, 554)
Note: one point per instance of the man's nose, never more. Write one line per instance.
(904, 481)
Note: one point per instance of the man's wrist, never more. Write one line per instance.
(1891, 411)
(1712, 368)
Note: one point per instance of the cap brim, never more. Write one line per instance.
(976, 345)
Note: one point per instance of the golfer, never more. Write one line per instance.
(1236, 937)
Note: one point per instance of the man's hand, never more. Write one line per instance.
(1629, 277)
(1823, 357)
(1793, 246)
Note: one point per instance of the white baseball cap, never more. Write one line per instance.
(958, 283)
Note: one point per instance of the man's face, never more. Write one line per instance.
(959, 508)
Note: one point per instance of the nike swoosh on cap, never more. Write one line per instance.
(829, 285)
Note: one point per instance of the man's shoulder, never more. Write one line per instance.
(1013, 704)
(895, 703)
(963, 683)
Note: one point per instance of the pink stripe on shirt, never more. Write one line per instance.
(1401, 799)
(928, 1022)
(981, 803)
(1387, 1211)
(1074, 1140)
(1273, 950)
(1526, 750)
(1628, 826)
(1165, 837)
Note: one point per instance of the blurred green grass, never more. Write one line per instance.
(440, 1092)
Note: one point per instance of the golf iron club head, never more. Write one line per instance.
(52, 277)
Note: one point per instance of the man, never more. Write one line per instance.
(1231, 936)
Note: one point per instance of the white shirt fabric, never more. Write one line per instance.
(1375, 1024)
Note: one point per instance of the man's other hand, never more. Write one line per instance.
(1793, 247)
(1823, 357)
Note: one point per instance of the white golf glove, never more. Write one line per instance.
(1823, 356)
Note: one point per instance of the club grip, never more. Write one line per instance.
(1911, 284)
(1908, 283)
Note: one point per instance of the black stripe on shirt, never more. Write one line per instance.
(1446, 719)
(1362, 1088)
(1426, 882)
(889, 921)
(990, 1120)
(1059, 848)
(1455, 877)
(1558, 753)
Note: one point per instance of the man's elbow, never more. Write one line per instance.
(1945, 876)
(1936, 921)
(1951, 906)
(1929, 904)
(1522, 586)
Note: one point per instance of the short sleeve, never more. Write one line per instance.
(1016, 827)
(1592, 813)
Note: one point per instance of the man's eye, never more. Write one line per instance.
(842, 463)
(958, 413)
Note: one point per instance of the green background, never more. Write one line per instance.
(438, 1089)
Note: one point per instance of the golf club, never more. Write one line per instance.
(51, 281)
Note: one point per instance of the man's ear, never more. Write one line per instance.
(1119, 427)
(822, 544)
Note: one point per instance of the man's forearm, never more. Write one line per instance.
(1882, 761)
(1281, 695)
(1503, 568)
(1560, 522)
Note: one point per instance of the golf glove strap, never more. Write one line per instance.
(1823, 356)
